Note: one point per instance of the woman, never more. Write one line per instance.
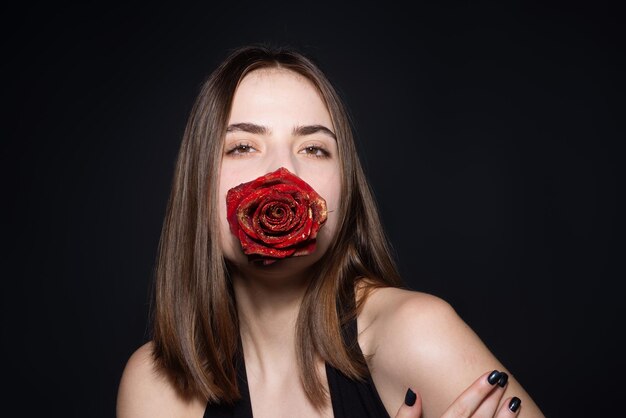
(272, 252)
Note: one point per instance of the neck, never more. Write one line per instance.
(268, 306)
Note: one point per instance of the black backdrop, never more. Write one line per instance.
(498, 121)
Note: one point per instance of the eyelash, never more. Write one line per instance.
(316, 148)
(241, 148)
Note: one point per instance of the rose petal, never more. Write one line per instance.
(250, 203)
(306, 249)
(252, 247)
(265, 233)
(275, 217)
(299, 233)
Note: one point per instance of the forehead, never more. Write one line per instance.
(278, 96)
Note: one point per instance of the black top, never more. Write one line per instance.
(349, 398)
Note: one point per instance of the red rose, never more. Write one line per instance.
(275, 216)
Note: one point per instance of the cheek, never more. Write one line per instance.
(329, 188)
(331, 192)
(228, 242)
(229, 178)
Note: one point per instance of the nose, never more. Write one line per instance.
(282, 156)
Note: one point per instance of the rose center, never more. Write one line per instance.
(278, 212)
(276, 217)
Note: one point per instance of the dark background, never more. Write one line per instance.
(494, 125)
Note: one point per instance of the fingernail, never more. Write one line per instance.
(410, 397)
(494, 377)
(503, 379)
(515, 403)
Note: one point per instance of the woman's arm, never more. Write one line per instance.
(419, 341)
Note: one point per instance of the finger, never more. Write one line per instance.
(510, 408)
(469, 401)
(412, 406)
(489, 405)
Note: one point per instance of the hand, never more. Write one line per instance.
(485, 393)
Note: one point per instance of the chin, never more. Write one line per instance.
(287, 262)
(281, 268)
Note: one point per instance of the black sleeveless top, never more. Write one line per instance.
(349, 398)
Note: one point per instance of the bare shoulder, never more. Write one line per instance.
(390, 306)
(393, 320)
(145, 392)
(425, 327)
(418, 340)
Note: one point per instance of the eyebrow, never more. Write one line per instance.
(263, 130)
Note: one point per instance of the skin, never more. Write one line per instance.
(417, 340)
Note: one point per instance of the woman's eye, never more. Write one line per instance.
(315, 151)
(241, 149)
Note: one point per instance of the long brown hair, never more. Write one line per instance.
(195, 324)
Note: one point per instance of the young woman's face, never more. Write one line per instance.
(269, 110)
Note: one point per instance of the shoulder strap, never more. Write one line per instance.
(242, 408)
